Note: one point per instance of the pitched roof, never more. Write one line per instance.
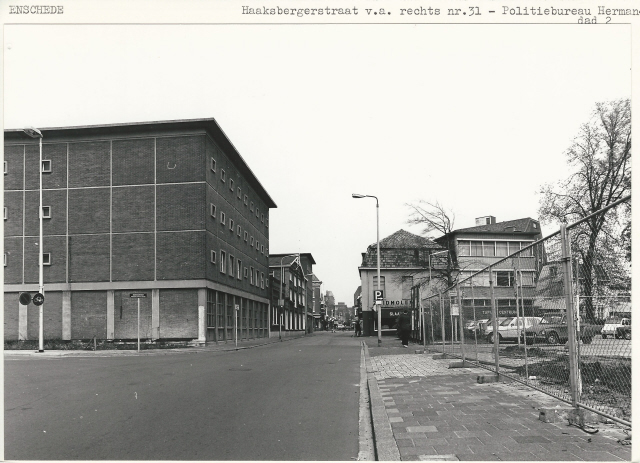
(526, 225)
(402, 239)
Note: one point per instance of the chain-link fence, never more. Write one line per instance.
(561, 308)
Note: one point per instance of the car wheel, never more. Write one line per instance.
(552, 338)
(627, 335)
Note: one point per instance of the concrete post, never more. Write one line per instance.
(66, 315)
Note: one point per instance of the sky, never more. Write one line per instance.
(476, 117)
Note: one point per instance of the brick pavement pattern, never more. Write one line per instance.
(438, 413)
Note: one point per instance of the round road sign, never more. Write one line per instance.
(38, 299)
(25, 298)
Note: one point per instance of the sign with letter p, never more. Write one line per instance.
(378, 296)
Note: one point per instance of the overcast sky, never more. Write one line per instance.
(476, 117)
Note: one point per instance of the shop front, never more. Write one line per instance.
(390, 316)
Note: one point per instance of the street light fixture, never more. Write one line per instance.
(358, 196)
(35, 133)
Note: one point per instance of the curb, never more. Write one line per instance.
(144, 352)
(385, 444)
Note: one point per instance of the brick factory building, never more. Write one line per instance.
(169, 209)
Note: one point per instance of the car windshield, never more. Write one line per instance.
(506, 321)
(551, 319)
(613, 321)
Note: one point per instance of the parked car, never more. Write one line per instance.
(623, 332)
(475, 327)
(613, 323)
(553, 329)
(511, 327)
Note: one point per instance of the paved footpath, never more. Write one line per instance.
(423, 410)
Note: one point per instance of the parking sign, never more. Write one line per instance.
(378, 296)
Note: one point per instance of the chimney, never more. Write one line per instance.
(486, 220)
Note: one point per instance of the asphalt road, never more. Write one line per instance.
(295, 400)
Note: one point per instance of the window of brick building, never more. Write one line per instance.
(46, 165)
(46, 258)
(213, 164)
(213, 257)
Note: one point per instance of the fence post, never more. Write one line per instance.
(461, 318)
(570, 314)
(494, 311)
(442, 322)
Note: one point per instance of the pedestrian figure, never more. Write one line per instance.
(357, 328)
(404, 326)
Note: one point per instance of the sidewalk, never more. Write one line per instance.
(212, 347)
(425, 411)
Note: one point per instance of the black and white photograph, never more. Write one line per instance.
(318, 230)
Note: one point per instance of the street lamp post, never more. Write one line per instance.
(358, 196)
(35, 133)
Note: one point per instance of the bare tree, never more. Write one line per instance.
(600, 158)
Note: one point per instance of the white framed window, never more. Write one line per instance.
(246, 235)
(239, 229)
(6, 169)
(257, 212)
(266, 222)
(266, 281)
(46, 165)
(231, 224)
(213, 165)
(262, 218)
(246, 272)
(212, 210)
(223, 218)
(213, 257)
(231, 184)
(261, 280)
(6, 213)
(262, 249)
(231, 267)
(239, 193)
(5, 259)
(251, 242)
(223, 262)
(46, 212)
(46, 258)
(251, 275)
(257, 245)
(257, 275)
(223, 175)
(251, 206)
(239, 269)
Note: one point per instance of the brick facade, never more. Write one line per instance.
(130, 207)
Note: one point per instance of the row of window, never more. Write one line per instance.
(46, 258)
(46, 166)
(481, 248)
(238, 230)
(500, 278)
(233, 266)
(245, 198)
(46, 212)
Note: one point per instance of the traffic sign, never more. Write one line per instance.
(38, 299)
(378, 295)
(138, 295)
(25, 298)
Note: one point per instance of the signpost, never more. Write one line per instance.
(237, 308)
(138, 296)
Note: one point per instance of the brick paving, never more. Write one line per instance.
(441, 413)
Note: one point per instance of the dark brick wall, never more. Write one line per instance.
(57, 202)
(13, 203)
(88, 314)
(54, 273)
(180, 255)
(181, 207)
(133, 209)
(51, 317)
(89, 164)
(14, 157)
(57, 154)
(179, 313)
(133, 161)
(13, 269)
(88, 258)
(31, 174)
(10, 316)
(133, 257)
(180, 159)
(89, 210)
(125, 316)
